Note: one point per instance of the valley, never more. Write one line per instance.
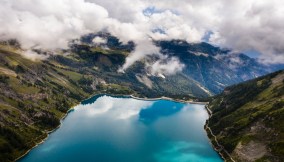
(35, 95)
(141, 81)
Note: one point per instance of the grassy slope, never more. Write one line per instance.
(248, 119)
(33, 98)
(35, 95)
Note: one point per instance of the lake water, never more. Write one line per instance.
(120, 129)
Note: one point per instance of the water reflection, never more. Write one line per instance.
(159, 109)
(117, 108)
(109, 129)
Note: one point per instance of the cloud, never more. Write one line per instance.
(142, 49)
(253, 25)
(242, 25)
(32, 55)
(117, 108)
(165, 66)
(49, 24)
(99, 40)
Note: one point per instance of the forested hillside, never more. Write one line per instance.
(248, 119)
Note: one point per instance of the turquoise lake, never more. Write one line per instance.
(121, 129)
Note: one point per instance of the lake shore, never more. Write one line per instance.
(115, 95)
(47, 133)
(217, 146)
(170, 99)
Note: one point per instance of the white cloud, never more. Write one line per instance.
(117, 108)
(29, 54)
(253, 25)
(48, 24)
(165, 66)
(238, 24)
(143, 48)
(99, 40)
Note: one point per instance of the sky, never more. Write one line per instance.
(255, 27)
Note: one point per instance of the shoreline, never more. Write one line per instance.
(148, 99)
(47, 133)
(114, 95)
(169, 99)
(221, 150)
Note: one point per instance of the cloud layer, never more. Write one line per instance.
(238, 24)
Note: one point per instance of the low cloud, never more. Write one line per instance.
(99, 40)
(49, 24)
(165, 66)
(143, 49)
(34, 56)
(238, 24)
(253, 25)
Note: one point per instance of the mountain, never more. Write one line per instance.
(213, 67)
(137, 77)
(208, 69)
(35, 95)
(247, 119)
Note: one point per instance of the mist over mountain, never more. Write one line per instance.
(213, 68)
(238, 25)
